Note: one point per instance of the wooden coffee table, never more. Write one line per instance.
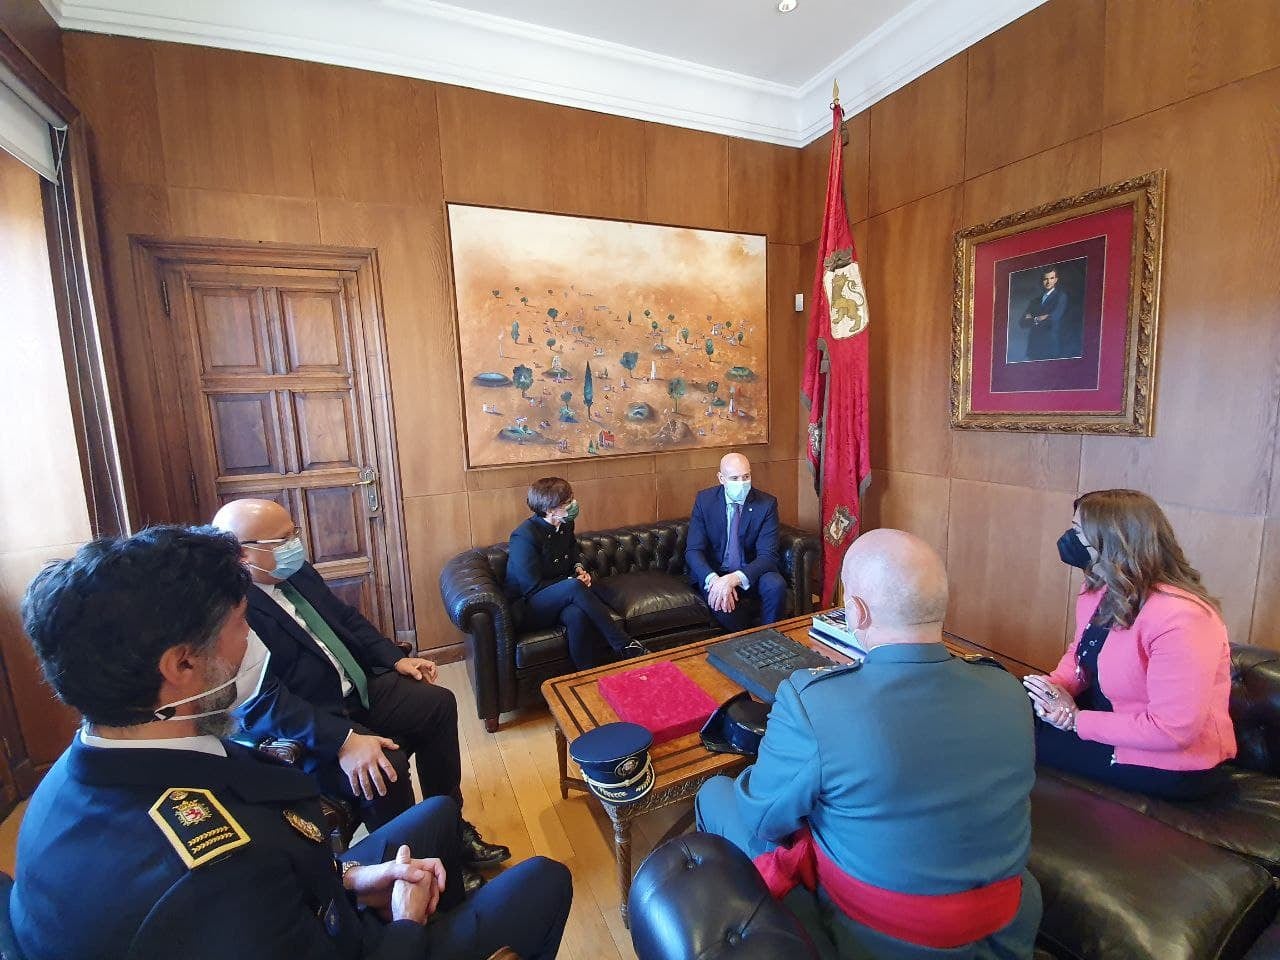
(681, 765)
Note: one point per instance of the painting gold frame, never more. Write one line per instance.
(1145, 196)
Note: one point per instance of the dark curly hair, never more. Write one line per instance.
(100, 621)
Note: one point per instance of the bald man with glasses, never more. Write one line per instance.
(358, 705)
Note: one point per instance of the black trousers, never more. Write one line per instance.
(592, 635)
(1063, 750)
(423, 719)
(524, 907)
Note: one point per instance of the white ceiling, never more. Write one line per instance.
(749, 37)
(729, 66)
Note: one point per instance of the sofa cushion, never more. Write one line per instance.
(1244, 817)
(651, 602)
(1119, 884)
(541, 646)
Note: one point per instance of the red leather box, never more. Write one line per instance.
(659, 697)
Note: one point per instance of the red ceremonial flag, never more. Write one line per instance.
(835, 376)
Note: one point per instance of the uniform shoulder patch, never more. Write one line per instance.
(984, 660)
(808, 678)
(197, 825)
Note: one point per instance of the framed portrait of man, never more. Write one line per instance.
(1054, 314)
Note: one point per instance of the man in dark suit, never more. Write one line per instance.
(1043, 319)
(199, 848)
(732, 550)
(338, 686)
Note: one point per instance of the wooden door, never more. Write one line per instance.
(276, 362)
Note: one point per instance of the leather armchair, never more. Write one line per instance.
(641, 572)
(699, 896)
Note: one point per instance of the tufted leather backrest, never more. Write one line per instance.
(1255, 707)
(699, 896)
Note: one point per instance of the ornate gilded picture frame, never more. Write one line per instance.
(1054, 314)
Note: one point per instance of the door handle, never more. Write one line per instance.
(369, 480)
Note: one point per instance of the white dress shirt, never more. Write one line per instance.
(205, 743)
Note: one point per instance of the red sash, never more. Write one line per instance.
(941, 921)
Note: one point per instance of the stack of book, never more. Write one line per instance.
(830, 628)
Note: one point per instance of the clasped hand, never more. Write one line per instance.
(1051, 702)
(722, 595)
(401, 889)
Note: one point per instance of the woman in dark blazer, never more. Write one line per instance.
(547, 582)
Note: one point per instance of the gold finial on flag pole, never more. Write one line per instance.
(835, 91)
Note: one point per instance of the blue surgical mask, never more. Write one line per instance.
(290, 556)
(737, 490)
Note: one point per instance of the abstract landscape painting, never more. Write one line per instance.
(589, 338)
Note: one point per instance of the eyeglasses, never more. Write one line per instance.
(295, 535)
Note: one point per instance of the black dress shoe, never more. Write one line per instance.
(471, 881)
(634, 648)
(477, 853)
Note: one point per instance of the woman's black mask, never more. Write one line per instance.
(1072, 551)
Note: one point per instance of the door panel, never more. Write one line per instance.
(335, 524)
(353, 591)
(246, 433)
(232, 327)
(326, 430)
(273, 367)
(315, 332)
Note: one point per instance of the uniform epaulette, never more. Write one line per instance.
(807, 678)
(198, 826)
(985, 660)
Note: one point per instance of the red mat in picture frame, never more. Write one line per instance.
(1054, 316)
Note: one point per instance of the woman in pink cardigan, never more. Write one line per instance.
(1139, 700)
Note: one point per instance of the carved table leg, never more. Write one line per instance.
(562, 758)
(622, 853)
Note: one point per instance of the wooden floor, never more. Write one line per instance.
(511, 790)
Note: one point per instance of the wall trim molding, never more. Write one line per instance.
(430, 40)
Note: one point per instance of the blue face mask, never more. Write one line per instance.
(737, 490)
(290, 556)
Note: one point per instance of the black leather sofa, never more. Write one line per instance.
(1123, 876)
(641, 572)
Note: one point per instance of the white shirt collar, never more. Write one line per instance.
(201, 744)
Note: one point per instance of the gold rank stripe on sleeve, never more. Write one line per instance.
(197, 825)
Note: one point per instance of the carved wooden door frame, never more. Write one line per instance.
(153, 255)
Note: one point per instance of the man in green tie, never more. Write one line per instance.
(358, 705)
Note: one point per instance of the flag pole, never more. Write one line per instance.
(824, 368)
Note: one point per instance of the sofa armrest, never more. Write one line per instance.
(801, 553)
(477, 605)
(699, 896)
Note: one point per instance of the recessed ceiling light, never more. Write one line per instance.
(786, 6)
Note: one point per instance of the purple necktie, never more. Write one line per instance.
(733, 550)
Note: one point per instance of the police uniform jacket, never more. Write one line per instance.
(913, 771)
(149, 853)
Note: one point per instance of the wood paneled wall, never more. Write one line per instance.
(43, 513)
(29, 23)
(195, 142)
(1076, 94)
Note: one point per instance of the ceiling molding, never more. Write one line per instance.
(447, 44)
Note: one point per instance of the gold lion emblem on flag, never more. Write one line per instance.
(846, 297)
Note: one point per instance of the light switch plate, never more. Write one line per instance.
(799, 303)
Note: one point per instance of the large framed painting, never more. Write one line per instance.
(584, 338)
(1054, 314)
